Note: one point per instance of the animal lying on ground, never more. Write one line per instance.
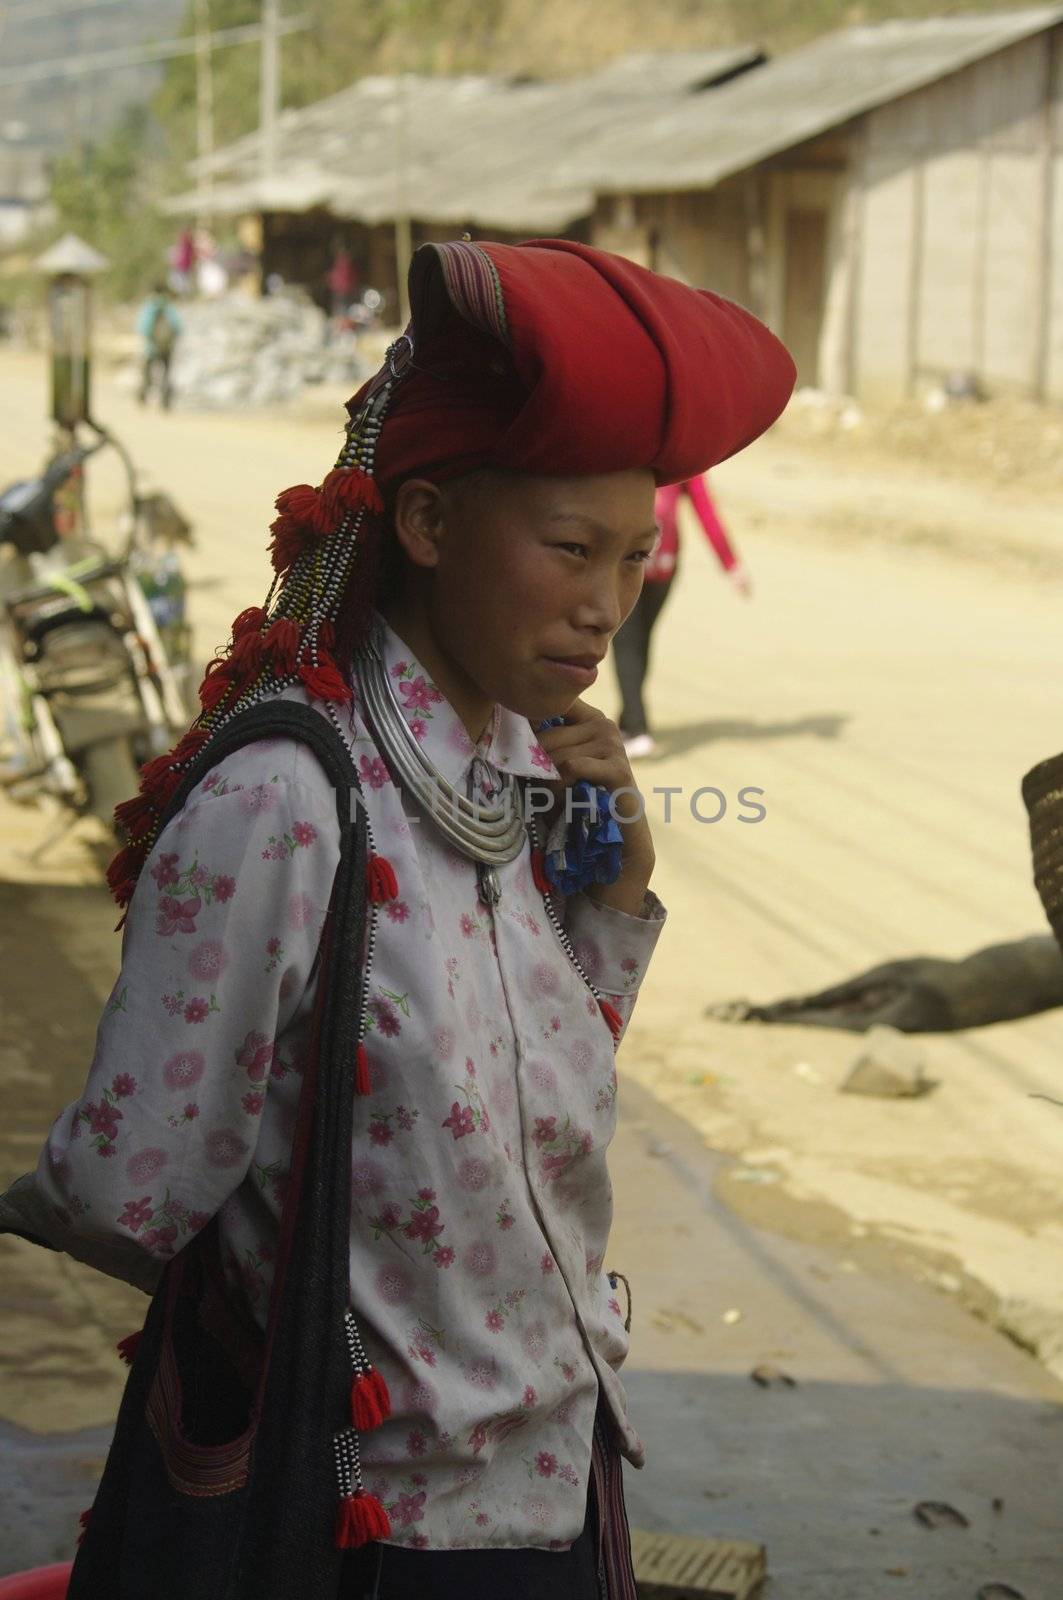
(924, 994)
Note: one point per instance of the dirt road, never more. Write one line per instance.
(894, 675)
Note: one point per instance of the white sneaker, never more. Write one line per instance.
(639, 745)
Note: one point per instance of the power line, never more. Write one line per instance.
(32, 9)
(136, 56)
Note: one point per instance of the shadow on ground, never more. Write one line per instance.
(677, 741)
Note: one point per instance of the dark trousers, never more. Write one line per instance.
(157, 371)
(631, 655)
(385, 1572)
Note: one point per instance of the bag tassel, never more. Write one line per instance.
(362, 1084)
(370, 1401)
(127, 1347)
(83, 1523)
(360, 1519)
(324, 681)
(612, 1017)
(539, 878)
(380, 881)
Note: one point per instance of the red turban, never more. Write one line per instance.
(554, 358)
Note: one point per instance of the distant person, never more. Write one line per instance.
(342, 281)
(631, 645)
(159, 326)
(182, 262)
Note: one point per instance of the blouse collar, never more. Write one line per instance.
(508, 743)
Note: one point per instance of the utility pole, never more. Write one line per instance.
(204, 101)
(269, 85)
(403, 230)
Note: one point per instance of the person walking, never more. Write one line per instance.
(631, 646)
(159, 327)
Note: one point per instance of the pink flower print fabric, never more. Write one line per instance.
(480, 1194)
(168, 1124)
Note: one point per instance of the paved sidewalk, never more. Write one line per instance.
(901, 1397)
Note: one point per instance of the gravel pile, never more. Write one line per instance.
(237, 353)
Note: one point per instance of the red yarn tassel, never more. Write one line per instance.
(189, 745)
(539, 878)
(127, 1347)
(247, 652)
(301, 501)
(361, 1071)
(370, 1401)
(283, 639)
(324, 682)
(83, 1523)
(346, 489)
(153, 771)
(214, 688)
(122, 872)
(290, 539)
(132, 816)
(380, 881)
(612, 1017)
(360, 1519)
(250, 621)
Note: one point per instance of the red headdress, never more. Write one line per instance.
(547, 358)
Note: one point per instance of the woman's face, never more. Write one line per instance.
(525, 580)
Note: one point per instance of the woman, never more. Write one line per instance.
(631, 647)
(449, 589)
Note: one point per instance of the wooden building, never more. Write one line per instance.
(890, 198)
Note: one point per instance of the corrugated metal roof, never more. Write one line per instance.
(530, 156)
(481, 150)
(797, 97)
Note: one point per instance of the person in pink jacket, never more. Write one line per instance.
(631, 646)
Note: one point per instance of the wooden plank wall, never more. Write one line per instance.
(960, 241)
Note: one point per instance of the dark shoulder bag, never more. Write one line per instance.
(220, 1483)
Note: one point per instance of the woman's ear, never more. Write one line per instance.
(420, 521)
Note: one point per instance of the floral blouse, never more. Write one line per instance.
(481, 1198)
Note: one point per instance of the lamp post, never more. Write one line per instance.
(70, 267)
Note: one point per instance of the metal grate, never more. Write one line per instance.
(670, 1566)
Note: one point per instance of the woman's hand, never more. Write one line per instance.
(590, 747)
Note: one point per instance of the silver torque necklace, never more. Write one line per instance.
(489, 835)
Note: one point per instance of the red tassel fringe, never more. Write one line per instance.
(134, 815)
(539, 878)
(370, 1401)
(247, 652)
(250, 621)
(346, 489)
(282, 641)
(360, 1519)
(612, 1017)
(324, 682)
(127, 1347)
(380, 881)
(122, 873)
(361, 1071)
(214, 688)
(290, 539)
(300, 501)
(83, 1523)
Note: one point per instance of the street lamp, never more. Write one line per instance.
(70, 266)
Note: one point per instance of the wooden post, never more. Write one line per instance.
(269, 87)
(915, 272)
(204, 105)
(403, 228)
(981, 264)
(1042, 304)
